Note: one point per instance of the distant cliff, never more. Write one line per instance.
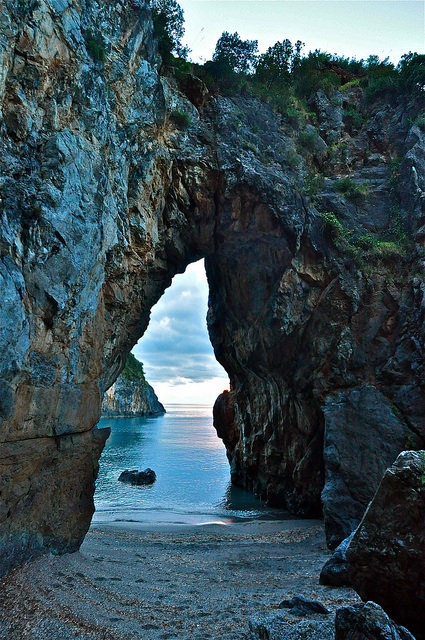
(131, 395)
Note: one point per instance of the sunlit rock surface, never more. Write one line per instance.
(104, 199)
(130, 398)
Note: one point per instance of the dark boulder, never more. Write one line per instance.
(367, 621)
(363, 436)
(386, 556)
(283, 626)
(335, 572)
(148, 476)
(300, 606)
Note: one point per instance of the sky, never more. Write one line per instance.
(354, 28)
(175, 350)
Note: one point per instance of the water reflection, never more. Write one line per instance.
(193, 477)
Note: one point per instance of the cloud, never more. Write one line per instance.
(175, 349)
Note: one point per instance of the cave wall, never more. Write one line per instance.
(105, 197)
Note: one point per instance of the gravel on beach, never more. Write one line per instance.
(197, 582)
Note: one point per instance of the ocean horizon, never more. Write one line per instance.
(193, 474)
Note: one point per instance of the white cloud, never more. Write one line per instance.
(176, 352)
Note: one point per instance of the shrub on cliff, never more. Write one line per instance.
(168, 23)
(412, 73)
(133, 369)
(181, 118)
(95, 45)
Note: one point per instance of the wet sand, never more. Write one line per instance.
(151, 582)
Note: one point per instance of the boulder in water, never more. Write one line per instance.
(148, 476)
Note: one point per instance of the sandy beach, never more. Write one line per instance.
(133, 581)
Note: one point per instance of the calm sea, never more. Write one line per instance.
(193, 478)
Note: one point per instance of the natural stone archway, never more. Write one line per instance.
(104, 199)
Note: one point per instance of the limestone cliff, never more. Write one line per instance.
(105, 196)
(131, 395)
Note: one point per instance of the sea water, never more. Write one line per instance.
(193, 476)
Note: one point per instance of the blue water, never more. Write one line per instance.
(193, 478)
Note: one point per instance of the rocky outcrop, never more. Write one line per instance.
(104, 198)
(334, 572)
(386, 556)
(367, 622)
(377, 439)
(286, 626)
(131, 398)
(148, 476)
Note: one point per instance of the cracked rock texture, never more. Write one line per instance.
(104, 198)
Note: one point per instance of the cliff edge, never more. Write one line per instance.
(131, 395)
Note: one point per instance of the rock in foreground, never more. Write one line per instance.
(367, 622)
(335, 572)
(300, 606)
(284, 626)
(365, 417)
(386, 557)
(148, 476)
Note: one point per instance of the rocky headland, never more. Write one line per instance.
(131, 395)
(114, 176)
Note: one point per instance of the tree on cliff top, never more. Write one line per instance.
(168, 23)
(240, 55)
(275, 66)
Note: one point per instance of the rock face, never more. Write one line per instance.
(367, 622)
(131, 394)
(131, 398)
(386, 556)
(351, 446)
(104, 199)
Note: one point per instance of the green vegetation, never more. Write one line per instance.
(168, 23)
(133, 369)
(366, 249)
(95, 44)
(239, 56)
(422, 454)
(181, 118)
(308, 140)
(334, 226)
(284, 76)
(352, 190)
(250, 146)
(353, 118)
(313, 184)
(397, 231)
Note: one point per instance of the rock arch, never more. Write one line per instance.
(106, 195)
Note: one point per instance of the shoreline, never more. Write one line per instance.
(144, 581)
(229, 526)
